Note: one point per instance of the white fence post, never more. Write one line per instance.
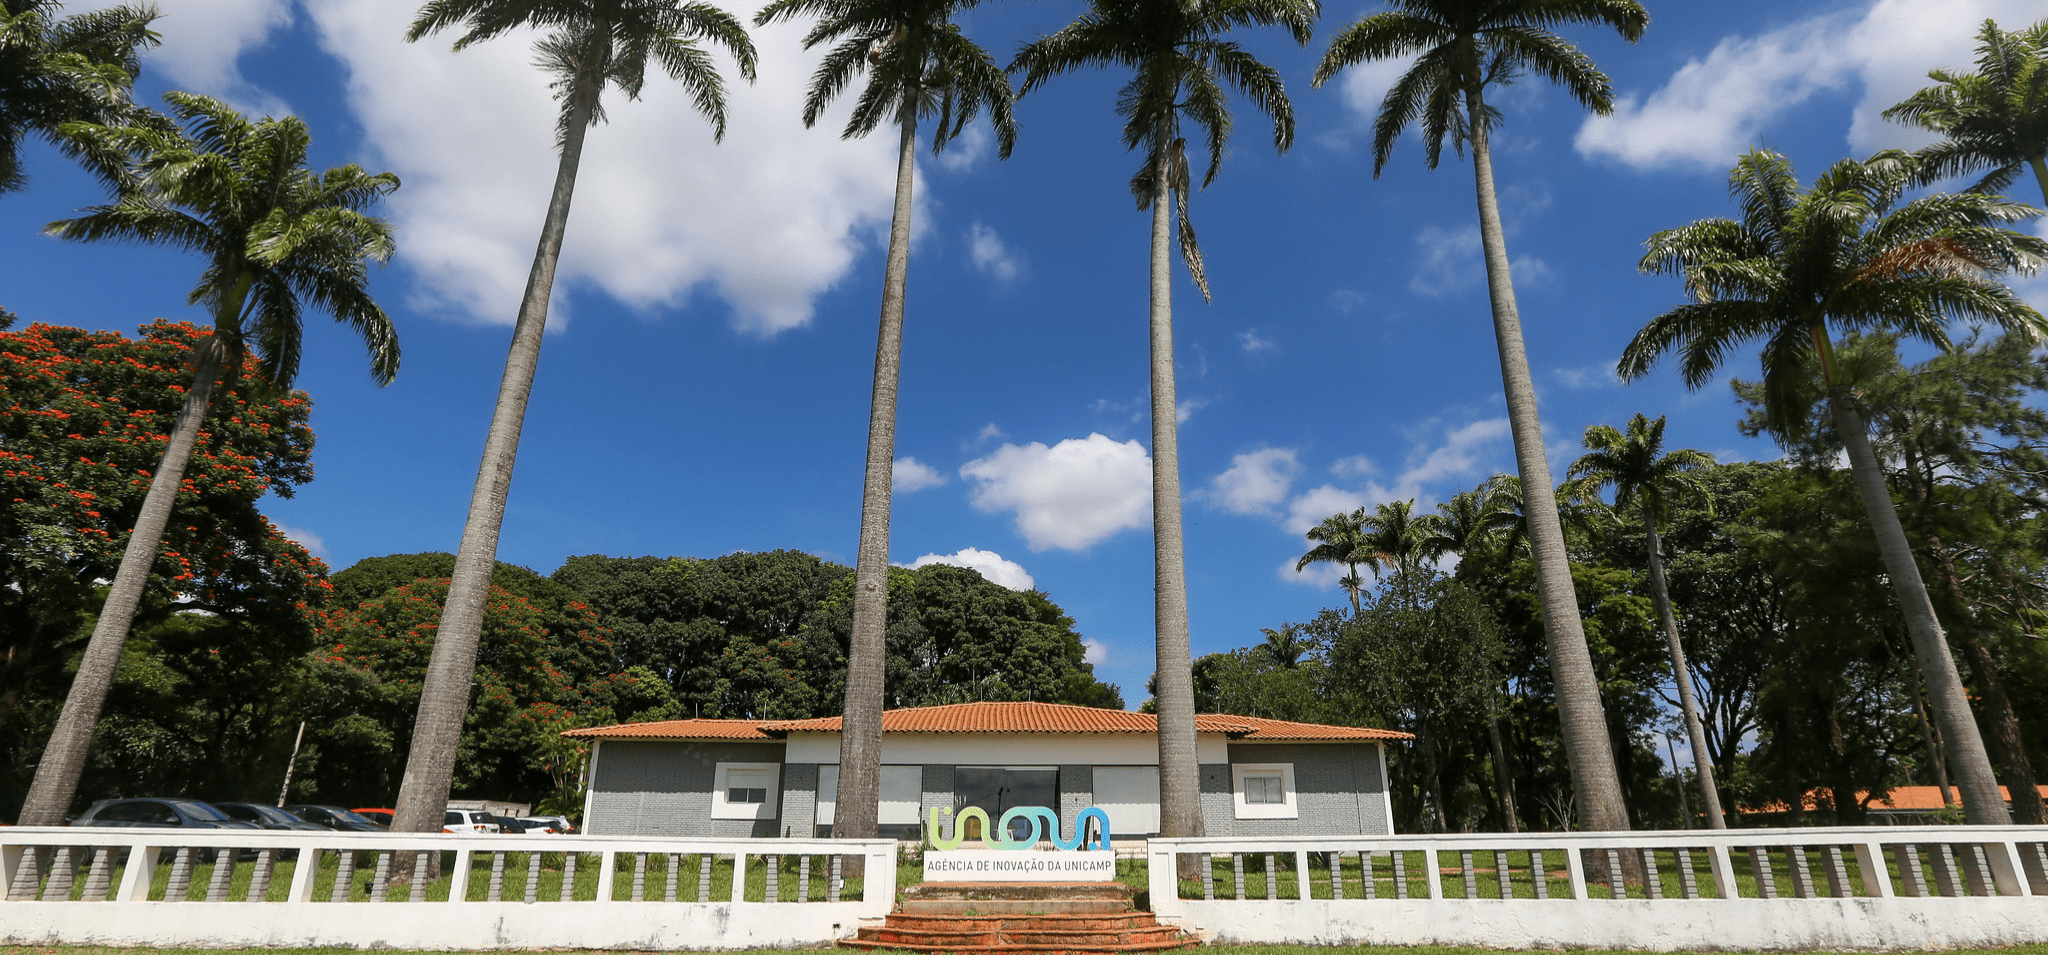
(458, 882)
(305, 869)
(1877, 879)
(136, 877)
(1433, 871)
(1162, 879)
(607, 873)
(2006, 871)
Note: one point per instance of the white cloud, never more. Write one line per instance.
(310, 541)
(768, 220)
(1094, 652)
(1324, 576)
(203, 41)
(1465, 452)
(1453, 260)
(1357, 465)
(1311, 507)
(1715, 108)
(1366, 84)
(1596, 375)
(1072, 495)
(1251, 341)
(991, 565)
(995, 259)
(1185, 408)
(908, 475)
(1256, 481)
(967, 149)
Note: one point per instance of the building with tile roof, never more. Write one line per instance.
(725, 777)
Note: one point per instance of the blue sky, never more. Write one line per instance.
(704, 387)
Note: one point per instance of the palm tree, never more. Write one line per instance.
(1800, 267)
(592, 44)
(1994, 120)
(1461, 47)
(1646, 477)
(1180, 64)
(1340, 539)
(1285, 646)
(1470, 522)
(1396, 537)
(78, 69)
(276, 239)
(918, 64)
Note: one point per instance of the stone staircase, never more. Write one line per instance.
(1020, 917)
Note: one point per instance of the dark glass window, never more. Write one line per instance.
(998, 791)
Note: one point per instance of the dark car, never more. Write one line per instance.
(266, 817)
(382, 817)
(335, 818)
(151, 813)
(509, 825)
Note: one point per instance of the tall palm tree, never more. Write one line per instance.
(1180, 65)
(276, 239)
(78, 69)
(591, 44)
(1845, 256)
(1646, 477)
(1285, 646)
(1994, 120)
(1397, 538)
(1470, 522)
(1462, 47)
(1340, 539)
(918, 64)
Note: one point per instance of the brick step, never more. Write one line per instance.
(1053, 938)
(1118, 922)
(1021, 949)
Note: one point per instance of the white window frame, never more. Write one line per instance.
(888, 812)
(765, 809)
(1285, 809)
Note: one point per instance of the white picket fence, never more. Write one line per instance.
(1889, 887)
(234, 888)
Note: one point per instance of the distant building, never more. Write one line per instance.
(767, 778)
(1898, 806)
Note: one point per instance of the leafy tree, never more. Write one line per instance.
(1424, 657)
(1339, 539)
(275, 238)
(1461, 48)
(919, 64)
(590, 45)
(1846, 256)
(1251, 682)
(1644, 477)
(78, 69)
(1472, 524)
(537, 673)
(1287, 645)
(1396, 537)
(1962, 438)
(1180, 64)
(1994, 120)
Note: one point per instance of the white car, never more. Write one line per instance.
(470, 820)
(548, 824)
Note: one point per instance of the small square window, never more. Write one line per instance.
(1264, 791)
(744, 791)
(736, 796)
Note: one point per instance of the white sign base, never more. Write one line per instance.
(996, 865)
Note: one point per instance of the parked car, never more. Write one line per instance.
(152, 813)
(470, 820)
(335, 818)
(382, 817)
(509, 825)
(549, 824)
(265, 817)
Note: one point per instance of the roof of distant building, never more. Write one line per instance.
(997, 718)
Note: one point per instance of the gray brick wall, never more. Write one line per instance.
(799, 808)
(938, 791)
(1338, 791)
(664, 789)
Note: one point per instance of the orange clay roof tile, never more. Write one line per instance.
(1037, 718)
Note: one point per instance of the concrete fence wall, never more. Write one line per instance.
(1890, 888)
(170, 887)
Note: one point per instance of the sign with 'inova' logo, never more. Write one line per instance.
(1086, 857)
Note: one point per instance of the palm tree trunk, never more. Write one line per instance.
(1710, 794)
(1928, 735)
(860, 738)
(444, 695)
(63, 760)
(1982, 803)
(1586, 745)
(1180, 784)
(1502, 773)
(1352, 588)
(2005, 741)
